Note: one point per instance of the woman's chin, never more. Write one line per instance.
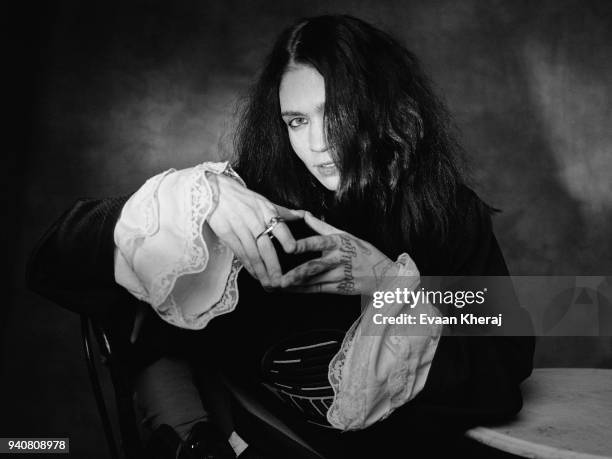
(330, 182)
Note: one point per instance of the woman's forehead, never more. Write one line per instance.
(302, 90)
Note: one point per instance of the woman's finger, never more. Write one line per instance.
(270, 259)
(319, 225)
(231, 241)
(335, 274)
(317, 243)
(283, 234)
(331, 287)
(251, 251)
(262, 222)
(280, 230)
(311, 268)
(288, 214)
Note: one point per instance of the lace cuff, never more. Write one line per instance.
(380, 368)
(164, 248)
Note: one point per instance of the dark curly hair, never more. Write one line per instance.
(388, 134)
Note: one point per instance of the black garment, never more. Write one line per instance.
(472, 380)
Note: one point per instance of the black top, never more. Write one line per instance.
(472, 379)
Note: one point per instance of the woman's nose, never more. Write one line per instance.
(317, 137)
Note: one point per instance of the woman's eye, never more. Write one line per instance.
(295, 122)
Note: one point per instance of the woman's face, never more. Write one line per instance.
(302, 104)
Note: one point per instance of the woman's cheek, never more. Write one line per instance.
(298, 146)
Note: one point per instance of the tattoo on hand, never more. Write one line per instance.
(308, 270)
(348, 252)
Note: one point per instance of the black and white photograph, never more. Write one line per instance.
(310, 230)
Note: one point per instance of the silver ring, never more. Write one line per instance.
(271, 225)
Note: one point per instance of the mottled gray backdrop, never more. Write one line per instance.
(119, 91)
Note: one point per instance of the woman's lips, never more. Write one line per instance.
(327, 169)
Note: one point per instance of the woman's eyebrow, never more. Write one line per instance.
(319, 108)
(292, 114)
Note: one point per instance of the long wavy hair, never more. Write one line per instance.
(388, 133)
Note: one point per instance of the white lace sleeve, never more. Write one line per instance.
(379, 368)
(168, 256)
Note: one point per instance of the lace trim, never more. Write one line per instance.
(335, 414)
(195, 256)
(349, 403)
(227, 303)
(149, 209)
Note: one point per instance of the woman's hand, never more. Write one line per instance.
(240, 215)
(348, 266)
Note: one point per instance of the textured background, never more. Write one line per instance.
(112, 94)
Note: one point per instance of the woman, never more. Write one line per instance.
(341, 126)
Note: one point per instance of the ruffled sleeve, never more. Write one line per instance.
(381, 367)
(168, 256)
